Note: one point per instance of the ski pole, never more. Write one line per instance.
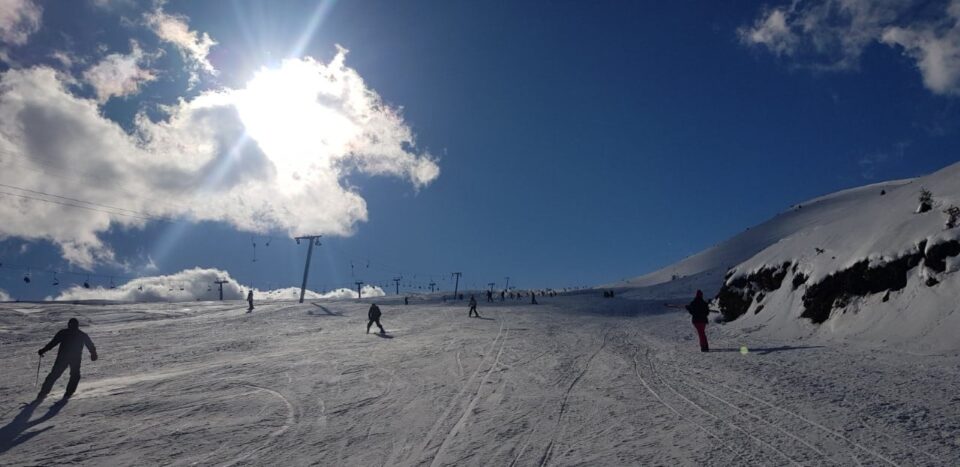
(35, 383)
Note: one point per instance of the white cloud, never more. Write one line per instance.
(771, 31)
(270, 156)
(293, 293)
(833, 34)
(196, 284)
(18, 19)
(936, 49)
(119, 75)
(193, 46)
(4, 296)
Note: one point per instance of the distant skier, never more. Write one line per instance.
(71, 341)
(374, 315)
(503, 295)
(473, 307)
(406, 300)
(699, 311)
(250, 300)
(489, 296)
(533, 298)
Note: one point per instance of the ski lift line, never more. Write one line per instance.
(5, 266)
(79, 206)
(75, 200)
(49, 171)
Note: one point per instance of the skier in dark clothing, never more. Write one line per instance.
(250, 300)
(473, 307)
(489, 295)
(71, 341)
(699, 311)
(374, 315)
(406, 300)
(503, 295)
(533, 298)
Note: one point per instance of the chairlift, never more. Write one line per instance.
(86, 283)
(112, 286)
(269, 239)
(140, 288)
(26, 277)
(56, 281)
(209, 289)
(181, 287)
(254, 243)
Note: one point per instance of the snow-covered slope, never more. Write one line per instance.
(860, 263)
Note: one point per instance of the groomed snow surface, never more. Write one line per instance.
(576, 380)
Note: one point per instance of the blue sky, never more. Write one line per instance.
(576, 143)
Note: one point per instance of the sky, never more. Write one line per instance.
(557, 143)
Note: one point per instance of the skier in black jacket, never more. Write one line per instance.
(71, 341)
(374, 315)
(699, 311)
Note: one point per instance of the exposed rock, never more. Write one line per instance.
(837, 289)
(738, 294)
(936, 256)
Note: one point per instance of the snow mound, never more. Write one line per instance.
(866, 263)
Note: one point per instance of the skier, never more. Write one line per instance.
(489, 296)
(503, 294)
(699, 311)
(533, 298)
(71, 342)
(473, 307)
(406, 300)
(250, 300)
(374, 315)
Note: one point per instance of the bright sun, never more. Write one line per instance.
(295, 115)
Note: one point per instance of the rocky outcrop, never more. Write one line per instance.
(739, 293)
(836, 290)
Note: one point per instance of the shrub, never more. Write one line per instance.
(926, 201)
(953, 215)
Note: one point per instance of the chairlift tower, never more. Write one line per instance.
(432, 286)
(359, 290)
(456, 286)
(313, 240)
(491, 284)
(220, 283)
(396, 281)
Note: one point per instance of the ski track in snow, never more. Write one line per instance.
(561, 383)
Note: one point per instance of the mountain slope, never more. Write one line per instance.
(860, 263)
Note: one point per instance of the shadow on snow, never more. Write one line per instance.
(14, 433)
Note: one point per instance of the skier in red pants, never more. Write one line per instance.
(699, 310)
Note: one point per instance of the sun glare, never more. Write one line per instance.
(292, 114)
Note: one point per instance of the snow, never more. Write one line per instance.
(849, 226)
(578, 379)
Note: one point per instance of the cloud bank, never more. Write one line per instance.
(270, 156)
(18, 19)
(196, 284)
(4, 296)
(833, 35)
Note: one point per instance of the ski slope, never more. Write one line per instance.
(576, 380)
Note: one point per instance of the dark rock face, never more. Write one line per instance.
(836, 290)
(936, 256)
(859, 280)
(736, 296)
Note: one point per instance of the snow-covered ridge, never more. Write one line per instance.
(858, 263)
